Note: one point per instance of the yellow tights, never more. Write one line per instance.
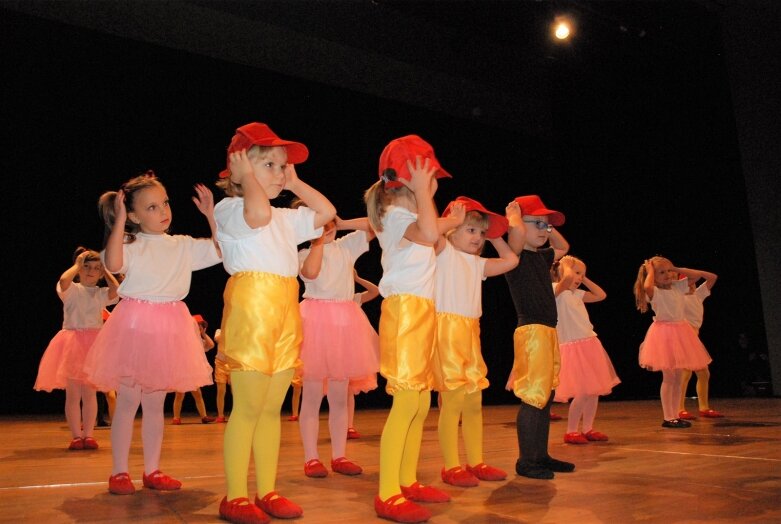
(401, 439)
(703, 377)
(458, 404)
(254, 426)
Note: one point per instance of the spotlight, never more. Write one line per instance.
(563, 28)
(562, 31)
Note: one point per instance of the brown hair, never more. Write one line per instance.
(641, 298)
(130, 189)
(378, 198)
(232, 189)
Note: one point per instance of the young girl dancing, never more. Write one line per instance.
(401, 211)
(670, 345)
(586, 371)
(208, 345)
(369, 382)
(148, 345)
(62, 362)
(694, 310)
(339, 344)
(459, 369)
(261, 324)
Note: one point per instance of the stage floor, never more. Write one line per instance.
(719, 470)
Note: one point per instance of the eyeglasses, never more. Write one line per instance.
(540, 224)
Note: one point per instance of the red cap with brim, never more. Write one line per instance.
(532, 205)
(257, 134)
(393, 160)
(497, 224)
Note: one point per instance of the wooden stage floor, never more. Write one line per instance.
(720, 470)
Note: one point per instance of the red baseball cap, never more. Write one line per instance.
(497, 224)
(532, 205)
(396, 154)
(199, 319)
(257, 134)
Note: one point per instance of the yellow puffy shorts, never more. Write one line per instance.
(458, 360)
(408, 327)
(536, 365)
(222, 372)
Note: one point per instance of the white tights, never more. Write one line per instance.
(584, 406)
(671, 392)
(81, 408)
(309, 417)
(152, 421)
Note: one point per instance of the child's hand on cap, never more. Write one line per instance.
(240, 166)
(458, 211)
(513, 213)
(422, 173)
(291, 178)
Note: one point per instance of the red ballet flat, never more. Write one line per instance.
(160, 481)
(240, 511)
(710, 413)
(90, 443)
(685, 415)
(485, 472)
(460, 477)
(575, 437)
(595, 436)
(120, 484)
(76, 444)
(278, 507)
(345, 467)
(406, 511)
(420, 493)
(315, 469)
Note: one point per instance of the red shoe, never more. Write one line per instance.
(176, 421)
(710, 413)
(351, 434)
(460, 477)
(278, 507)
(420, 493)
(90, 443)
(595, 436)
(685, 415)
(76, 444)
(554, 416)
(220, 420)
(293, 418)
(407, 511)
(345, 467)
(485, 472)
(315, 469)
(208, 420)
(160, 481)
(575, 437)
(120, 484)
(240, 513)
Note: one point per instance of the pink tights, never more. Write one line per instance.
(309, 417)
(81, 408)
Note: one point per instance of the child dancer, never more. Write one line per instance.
(222, 377)
(261, 325)
(586, 371)
(670, 345)
(535, 372)
(369, 382)
(693, 310)
(62, 362)
(459, 369)
(148, 345)
(208, 345)
(339, 342)
(401, 211)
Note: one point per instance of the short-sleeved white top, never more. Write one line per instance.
(459, 282)
(272, 248)
(573, 323)
(82, 306)
(335, 280)
(693, 307)
(407, 267)
(158, 268)
(668, 303)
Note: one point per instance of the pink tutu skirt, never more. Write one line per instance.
(339, 342)
(585, 370)
(152, 345)
(672, 345)
(64, 359)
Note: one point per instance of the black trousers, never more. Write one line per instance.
(533, 427)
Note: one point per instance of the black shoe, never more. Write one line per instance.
(532, 470)
(676, 423)
(559, 466)
(102, 423)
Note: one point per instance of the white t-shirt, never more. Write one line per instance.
(272, 248)
(693, 308)
(82, 306)
(335, 280)
(573, 323)
(407, 267)
(668, 303)
(158, 268)
(459, 282)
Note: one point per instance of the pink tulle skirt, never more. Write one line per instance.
(585, 370)
(64, 359)
(152, 345)
(672, 345)
(339, 342)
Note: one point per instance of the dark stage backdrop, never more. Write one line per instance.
(642, 160)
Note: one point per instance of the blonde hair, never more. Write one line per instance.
(130, 188)
(641, 298)
(564, 262)
(232, 189)
(472, 218)
(378, 198)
